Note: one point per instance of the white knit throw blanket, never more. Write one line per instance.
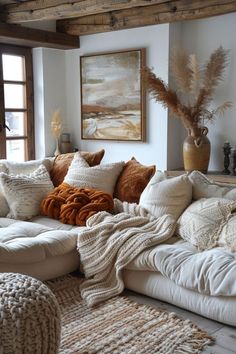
(109, 243)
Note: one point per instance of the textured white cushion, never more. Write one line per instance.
(28, 242)
(16, 168)
(101, 177)
(25, 193)
(25, 168)
(4, 208)
(227, 237)
(169, 196)
(203, 187)
(202, 222)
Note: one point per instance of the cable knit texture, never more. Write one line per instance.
(62, 163)
(24, 193)
(75, 205)
(202, 222)
(109, 243)
(30, 321)
(102, 177)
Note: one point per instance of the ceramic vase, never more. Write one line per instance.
(196, 150)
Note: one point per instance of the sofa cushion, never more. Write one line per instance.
(24, 242)
(25, 168)
(24, 193)
(204, 187)
(166, 196)
(201, 223)
(15, 168)
(227, 236)
(211, 272)
(63, 161)
(4, 208)
(102, 177)
(73, 205)
(132, 181)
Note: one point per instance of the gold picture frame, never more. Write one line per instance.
(112, 96)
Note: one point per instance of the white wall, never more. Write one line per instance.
(203, 37)
(57, 85)
(156, 41)
(174, 137)
(50, 95)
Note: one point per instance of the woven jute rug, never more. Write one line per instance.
(120, 325)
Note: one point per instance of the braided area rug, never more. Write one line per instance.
(120, 325)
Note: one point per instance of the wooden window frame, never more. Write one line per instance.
(29, 110)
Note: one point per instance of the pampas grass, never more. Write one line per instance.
(56, 124)
(195, 87)
(56, 129)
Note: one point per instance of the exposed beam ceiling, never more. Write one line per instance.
(144, 16)
(30, 37)
(80, 17)
(61, 9)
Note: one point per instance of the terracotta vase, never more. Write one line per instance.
(196, 150)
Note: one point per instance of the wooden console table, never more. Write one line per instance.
(214, 175)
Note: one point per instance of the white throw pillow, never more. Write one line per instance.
(201, 223)
(27, 167)
(101, 177)
(16, 168)
(25, 193)
(169, 196)
(4, 208)
(227, 237)
(203, 187)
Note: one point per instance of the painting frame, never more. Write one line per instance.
(113, 99)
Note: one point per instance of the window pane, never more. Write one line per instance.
(13, 67)
(14, 96)
(16, 150)
(15, 121)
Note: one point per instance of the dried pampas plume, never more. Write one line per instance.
(56, 129)
(56, 124)
(195, 86)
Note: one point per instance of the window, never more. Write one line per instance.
(16, 103)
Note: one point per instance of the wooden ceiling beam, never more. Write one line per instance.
(30, 37)
(60, 9)
(150, 15)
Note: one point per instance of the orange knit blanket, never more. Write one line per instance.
(73, 205)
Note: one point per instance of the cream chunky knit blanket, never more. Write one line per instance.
(110, 242)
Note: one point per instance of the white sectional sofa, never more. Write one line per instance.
(197, 276)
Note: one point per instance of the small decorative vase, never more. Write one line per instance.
(57, 151)
(196, 150)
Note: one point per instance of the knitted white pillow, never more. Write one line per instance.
(16, 168)
(101, 177)
(202, 222)
(27, 167)
(227, 237)
(166, 196)
(24, 193)
(203, 187)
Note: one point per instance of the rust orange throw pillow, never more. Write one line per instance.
(132, 181)
(73, 205)
(62, 163)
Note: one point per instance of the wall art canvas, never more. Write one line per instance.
(112, 96)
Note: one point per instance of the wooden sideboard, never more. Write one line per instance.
(214, 175)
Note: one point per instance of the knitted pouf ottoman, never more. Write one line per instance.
(29, 316)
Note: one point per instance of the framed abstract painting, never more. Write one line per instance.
(112, 96)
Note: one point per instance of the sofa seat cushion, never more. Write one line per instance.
(29, 242)
(155, 285)
(211, 272)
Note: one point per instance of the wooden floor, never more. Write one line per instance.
(225, 336)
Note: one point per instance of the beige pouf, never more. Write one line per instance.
(29, 316)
